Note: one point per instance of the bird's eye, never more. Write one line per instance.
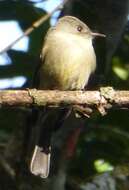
(79, 28)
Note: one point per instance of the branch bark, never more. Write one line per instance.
(33, 97)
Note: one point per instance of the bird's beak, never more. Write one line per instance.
(94, 34)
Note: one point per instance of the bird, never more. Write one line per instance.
(67, 61)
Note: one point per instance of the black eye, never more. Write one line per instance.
(79, 28)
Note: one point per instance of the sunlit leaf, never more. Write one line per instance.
(102, 166)
(119, 69)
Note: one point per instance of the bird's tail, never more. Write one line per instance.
(40, 162)
(46, 125)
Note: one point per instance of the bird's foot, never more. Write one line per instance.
(82, 111)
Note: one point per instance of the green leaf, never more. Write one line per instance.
(119, 69)
(102, 166)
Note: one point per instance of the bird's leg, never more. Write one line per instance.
(82, 111)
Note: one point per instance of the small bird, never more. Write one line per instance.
(67, 61)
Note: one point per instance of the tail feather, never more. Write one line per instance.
(40, 163)
(46, 125)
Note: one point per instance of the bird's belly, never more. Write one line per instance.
(67, 76)
(73, 76)
(69, 69)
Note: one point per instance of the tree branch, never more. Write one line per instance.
(100, 99)
(35, 25)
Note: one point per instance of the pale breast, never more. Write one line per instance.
(68, 62)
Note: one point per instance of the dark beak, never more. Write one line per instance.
(94, 34)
